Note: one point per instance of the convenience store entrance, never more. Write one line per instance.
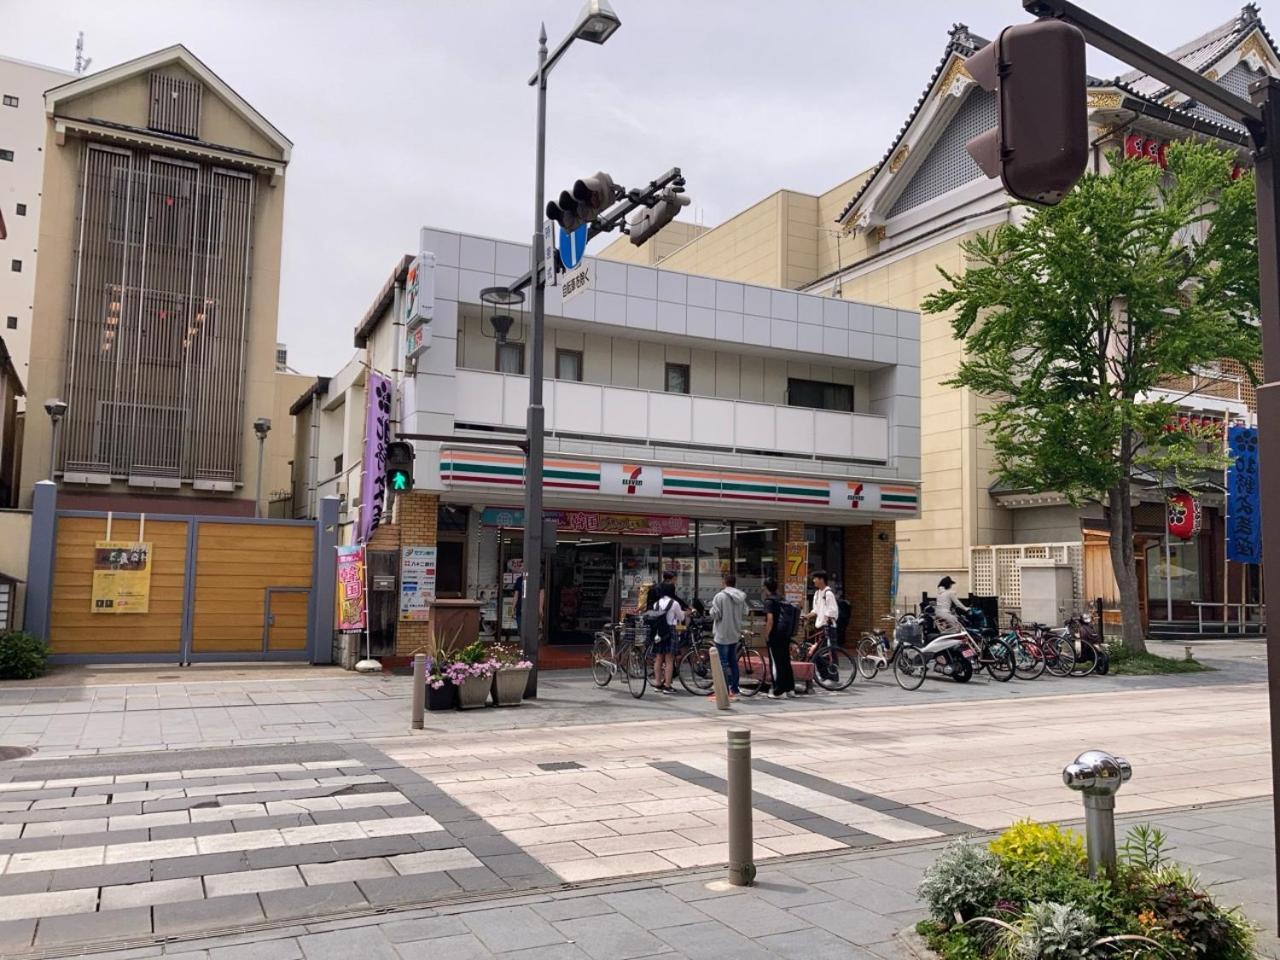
(593, 581)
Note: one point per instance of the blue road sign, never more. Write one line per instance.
(572, 245)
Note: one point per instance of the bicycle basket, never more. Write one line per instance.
(910, 632)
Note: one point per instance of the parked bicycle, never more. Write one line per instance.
(608, 649)
(834, 668)
(1089, 652)
(876, 651)
(1029, 661)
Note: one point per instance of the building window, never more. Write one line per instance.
(569, 365)
(337, 464)
(677, 378)
(819, 395)
(509, 358)
(11, 323)
(10, 100)
(22, 209)
(15, 266)
(6, 154)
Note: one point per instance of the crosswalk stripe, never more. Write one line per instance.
(194, 773)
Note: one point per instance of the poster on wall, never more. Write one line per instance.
(350, 592)
(417, 582)
(796, 574)
(121, 577)
(1244, 497)
(377, 434)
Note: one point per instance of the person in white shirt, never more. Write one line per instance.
(826, 610)
(664, 646)
(945, 607)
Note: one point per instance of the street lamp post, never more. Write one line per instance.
(596, 23)
(57, 409)
(261, 427)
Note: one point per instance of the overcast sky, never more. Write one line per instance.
(417, 112)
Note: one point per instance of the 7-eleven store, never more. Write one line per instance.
(620, 525)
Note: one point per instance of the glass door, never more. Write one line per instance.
(584, 590)
(638, 562)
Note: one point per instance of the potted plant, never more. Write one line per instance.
(441, 693)
(511, 677)
(472, 673)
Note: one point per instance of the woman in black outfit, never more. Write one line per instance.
(779, 643)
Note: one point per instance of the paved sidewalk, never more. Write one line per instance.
(848, 906)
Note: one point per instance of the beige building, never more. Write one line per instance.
(157, 290)
(881, 237)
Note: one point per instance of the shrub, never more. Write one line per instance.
(962, 882)
(1189, 924)
(22, 656)
(1042, 862)
(1054, 931)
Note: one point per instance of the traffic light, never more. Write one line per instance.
(1040, 144)
(588, 199)
(652, 219)
(399, 462)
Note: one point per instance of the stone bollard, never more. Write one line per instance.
(718, 682)
(742, 866)
(1097, 775)
(419, 689)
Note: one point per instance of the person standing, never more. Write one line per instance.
(779, 624)
(826, 609)
(728, 615)
(664, 646)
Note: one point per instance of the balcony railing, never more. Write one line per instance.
(641, 416)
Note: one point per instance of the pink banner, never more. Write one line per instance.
(350, 593)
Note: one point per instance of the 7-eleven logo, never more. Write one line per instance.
(632, 479)
(856, 496)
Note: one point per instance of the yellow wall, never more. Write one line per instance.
(748, 247)
(15, 542)
(669, 239)
(280, 441)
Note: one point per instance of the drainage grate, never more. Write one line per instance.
(561, 765)
(13, 753)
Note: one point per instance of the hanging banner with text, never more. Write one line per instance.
(121, 577)
(796, 575)
(1244, 497)
(350, 592)
(377, 434)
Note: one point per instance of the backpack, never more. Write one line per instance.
(786, 619)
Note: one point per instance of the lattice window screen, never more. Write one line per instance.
(948, 164)
(996, 571)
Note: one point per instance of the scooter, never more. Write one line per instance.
(949, 654)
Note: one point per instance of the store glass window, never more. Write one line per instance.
(715, 554)
(1179, 578)
(755, 556)
(826, 552)
(679, 556)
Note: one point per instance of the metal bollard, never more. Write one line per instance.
(742, 866)
(419, 689)
(718, 682)
(1097, 775)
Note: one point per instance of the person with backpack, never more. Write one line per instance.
(779, 625)
(826, 609)
(728, 616)
(667, 612)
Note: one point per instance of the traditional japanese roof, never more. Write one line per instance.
(1204, 51)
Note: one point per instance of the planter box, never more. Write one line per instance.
(508, 686)
(474, 693)
(446, 698)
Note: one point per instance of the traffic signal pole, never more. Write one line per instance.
(1261, 116)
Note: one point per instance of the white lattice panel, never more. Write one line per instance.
(996, 570)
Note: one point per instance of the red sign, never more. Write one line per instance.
(1154, 150)
(1184, 516)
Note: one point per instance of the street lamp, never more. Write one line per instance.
(596, 23)
(261, 427)
(57, 409)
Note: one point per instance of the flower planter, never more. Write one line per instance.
(473, 693)
(508, 686)
(442, 698)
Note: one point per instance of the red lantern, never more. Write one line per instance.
(1184, 516)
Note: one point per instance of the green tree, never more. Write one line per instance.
(1073, 313)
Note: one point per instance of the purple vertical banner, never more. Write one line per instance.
(377, 434)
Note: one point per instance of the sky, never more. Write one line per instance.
(406, 113)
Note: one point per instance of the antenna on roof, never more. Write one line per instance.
(82, 62)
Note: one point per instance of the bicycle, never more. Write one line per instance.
(992, 652)
(834, 668)
(1090, 654)
(1028, 659)
(876, 651)
(693, 666)
(606, 659)
(639, 665)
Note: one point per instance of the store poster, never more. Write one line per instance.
(121, 577)
(417, 582)
(350, 593)
(796, 575)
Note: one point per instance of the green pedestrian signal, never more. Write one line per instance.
(399, 464)
(399, 480)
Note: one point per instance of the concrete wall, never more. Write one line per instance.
(748, 247)
(1049, 524)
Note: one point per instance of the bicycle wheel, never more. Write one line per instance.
(909, 668)
(637, 671)
(871, 657)
(1000, 666)
(1086, 660)
(1060, 656)
(834, 668)
(1028, 662)
(602, 660)
(751, 672)
(694, 670)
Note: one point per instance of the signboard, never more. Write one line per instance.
(350, 592)
(1184, 516)
(420, 287)
(573, 244)
(796, 575)
(1244, 497)
(121, 577)
(631, 479)
(417, 582)
(548, 253)
(580, 521)
(416, 339)
(575, 282)
(855, 495)
(377, 434)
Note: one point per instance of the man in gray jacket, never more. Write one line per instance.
(729, 615)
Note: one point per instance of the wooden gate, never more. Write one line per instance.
(220, 589)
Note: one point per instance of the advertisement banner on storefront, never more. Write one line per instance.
(581, 521)
(417, 582)
(350, 592)
(631, 480)
(377, 434)
(796, 575)
(1244, 497)
(121, 577)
